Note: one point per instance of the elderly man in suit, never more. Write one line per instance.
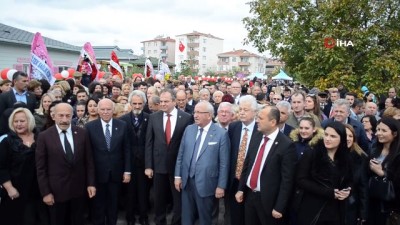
(240, 133)
(267, 178)
(65, 169)
(202, 166)
(138, 189)
(285, 110)
(163, 137)
(112, 159)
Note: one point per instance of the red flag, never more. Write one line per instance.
(181, 46)
(114, 65)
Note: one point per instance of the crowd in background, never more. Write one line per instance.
(266, 152)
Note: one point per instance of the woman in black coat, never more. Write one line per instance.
(385, 163)
(21, 201)
(325, 176)
(357, 203)
(306, 136)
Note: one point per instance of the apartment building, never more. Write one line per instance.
(198, 51)
(160, 47)
(273, 65)
(241, 61)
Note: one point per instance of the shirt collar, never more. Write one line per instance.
(69, 130)
(207, 127)
(173, 113)
(16, 92)
(273, 135)
(103, 123)
(249, 127)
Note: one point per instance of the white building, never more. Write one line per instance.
(15, 50)
(160, 47)
(241, 61)
(199, 52)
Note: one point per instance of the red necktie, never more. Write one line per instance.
(168, 130)
(257, 165)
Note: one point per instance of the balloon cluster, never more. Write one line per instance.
(65, 74)
(7, 74)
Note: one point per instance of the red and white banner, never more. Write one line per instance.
(87, 59)
(115, 67)
(41, 66)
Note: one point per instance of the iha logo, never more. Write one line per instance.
(331, 42)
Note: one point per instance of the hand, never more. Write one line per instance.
(49, 199)
(219, 192)
(91, 191)
(342, 194)
(276, 214)
(126, 178)
(149, 173)
(12, 193)
(376, 167)
(178, 184)
(239, 196)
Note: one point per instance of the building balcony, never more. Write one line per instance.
(243, 64)
(221, 63)
(164, 47)
(193, 53)
(142, 48)
(193, 45)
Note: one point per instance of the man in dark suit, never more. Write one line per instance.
(163, 137)
(112, 159)
(181, 102)
(18, 93)
(202, 166)
(285, 110)
(240, 133)
(65, 168)
(267, 178)
(138, 189)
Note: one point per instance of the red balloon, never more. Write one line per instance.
(58, 76)
(101, 74)
(71, 72)
(4, 73)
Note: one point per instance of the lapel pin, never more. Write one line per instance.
(75, 132)
(116, 128)
(276, 143)
(145, 119)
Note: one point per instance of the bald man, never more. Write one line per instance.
(111, 151)
(65, 168)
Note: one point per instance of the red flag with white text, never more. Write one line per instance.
(115, 68)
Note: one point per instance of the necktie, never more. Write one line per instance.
(168, 129)
(241, 155)
(136, 123)
(195, 153)
(108, 136)
(67, 147)
(257, 165)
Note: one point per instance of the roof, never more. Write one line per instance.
(240, 52)
(166, 39)
(104, 52)
(17, 36)
(195, 33)
(141, 62)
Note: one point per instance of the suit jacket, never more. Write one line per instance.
(212, 165)
(234, 132)
(55, 174)
(137, 138)
(115, 161)
(7, 100)
(277, 173)
(188, 109)
(159, 156)
(287, 129)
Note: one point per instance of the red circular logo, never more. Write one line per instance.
(329, 42)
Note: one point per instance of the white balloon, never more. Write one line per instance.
(10, 74)
(64, 74)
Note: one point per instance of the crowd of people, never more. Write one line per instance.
(265, 152)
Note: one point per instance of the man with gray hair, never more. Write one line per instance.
(241, 134)
(137, 191)
(154, 104)
(225, 114)
(285, 109)
(341, 112)
(204, 95)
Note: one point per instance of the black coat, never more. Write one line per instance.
(317, 176)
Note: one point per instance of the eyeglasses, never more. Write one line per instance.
(198, 112)
(224, 111)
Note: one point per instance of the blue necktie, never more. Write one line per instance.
(108, 136)
(195, 153)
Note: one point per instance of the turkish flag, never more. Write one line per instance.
(115, 68)
(181, 46)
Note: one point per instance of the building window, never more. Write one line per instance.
(203, 66)
(204, 57)
(148, 43)
(204, 49)
(155, 43)
(204, 40)
(61, 68)
(149, 52)
(155, 51)
(233, 59)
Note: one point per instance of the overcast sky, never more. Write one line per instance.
(128, 22)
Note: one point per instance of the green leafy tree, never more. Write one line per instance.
(296, 30)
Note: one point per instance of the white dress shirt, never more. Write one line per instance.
(69, 137)
(104, 124)
(203, 137)
(250, 129)
(173, 118)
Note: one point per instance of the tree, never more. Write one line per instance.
(296, 31)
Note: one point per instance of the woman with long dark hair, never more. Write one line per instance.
(325, 176)
(385, 163)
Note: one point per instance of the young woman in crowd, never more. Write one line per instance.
(95, 87)
(357, 203)
(312, 106)
(91, 112)
(42, 112)
(50, 121)
(385, 163)
(22, 202)
(306, 136)
(325, 176)
(369, 122)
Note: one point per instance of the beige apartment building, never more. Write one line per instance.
(198, 51)
(160, 47)
(241, 61)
